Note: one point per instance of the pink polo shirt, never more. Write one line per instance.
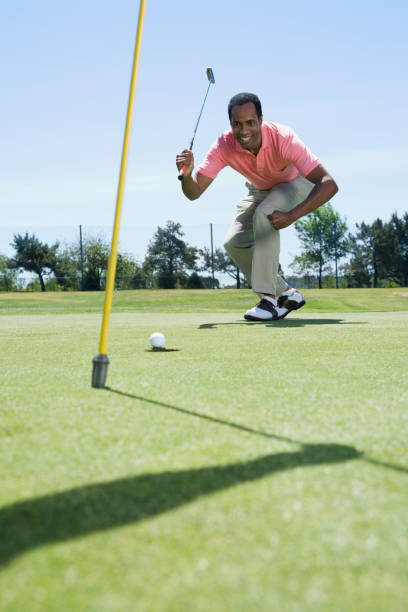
(280, 159)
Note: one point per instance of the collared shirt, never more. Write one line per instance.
(280, 159)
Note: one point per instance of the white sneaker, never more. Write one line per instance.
(290, 300)
(266, 310)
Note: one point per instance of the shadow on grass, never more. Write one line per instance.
(201, 415)
(161, 350)
(286, 323)
(258, 432)
(97, 507)
(59, 517)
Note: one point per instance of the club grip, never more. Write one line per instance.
(181, 173)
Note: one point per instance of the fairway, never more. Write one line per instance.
(251, 466)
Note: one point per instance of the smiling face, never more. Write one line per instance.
(246, 126)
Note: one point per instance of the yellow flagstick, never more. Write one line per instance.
(101, 361)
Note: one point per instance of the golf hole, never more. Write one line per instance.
(161, 350)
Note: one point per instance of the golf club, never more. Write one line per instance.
(210, 77)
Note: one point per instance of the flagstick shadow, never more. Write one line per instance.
(58, 517)
(245, 428)
(201, 415)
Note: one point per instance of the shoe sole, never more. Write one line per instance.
(302, 303)
(249, 318)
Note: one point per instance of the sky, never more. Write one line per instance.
(334, 72)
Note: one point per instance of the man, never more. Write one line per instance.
(285, 181)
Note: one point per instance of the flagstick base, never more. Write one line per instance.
(100, 370)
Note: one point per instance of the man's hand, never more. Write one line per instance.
(280, 219)
(186, 158)
(192, 186)
(324, 189)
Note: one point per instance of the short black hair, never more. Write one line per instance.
(244, 98)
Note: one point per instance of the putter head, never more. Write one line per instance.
(210, 75)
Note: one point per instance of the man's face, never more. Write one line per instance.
(246, 126)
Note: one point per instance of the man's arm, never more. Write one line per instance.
(193, 186)
(324, 188)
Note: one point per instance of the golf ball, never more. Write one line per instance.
(157, 340)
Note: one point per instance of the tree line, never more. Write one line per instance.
(169, 263)
(374, 255)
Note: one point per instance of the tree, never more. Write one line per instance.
(195, 281)
(379, 247)
(222, 263)
(95, 261)
(356, 271)
(337, 238)
(400, 229)
(169, 257)
(8, 275)
(68, 272)
(96, 255)
(311, 233)
(366, 240)
(34, 256)
(323, 235)
(129, 274)
(67, 269)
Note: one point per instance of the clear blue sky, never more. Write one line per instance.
(335, 72)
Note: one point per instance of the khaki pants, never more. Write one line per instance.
(253, 243)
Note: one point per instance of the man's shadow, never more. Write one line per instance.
(285, 323)
(57, 517)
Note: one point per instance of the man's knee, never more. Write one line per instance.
(282, 197)
(259, 213)
(229, 244)
(268, 206)
(262, 219)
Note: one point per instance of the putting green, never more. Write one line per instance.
(253, 466)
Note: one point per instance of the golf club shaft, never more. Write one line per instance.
(210, 77)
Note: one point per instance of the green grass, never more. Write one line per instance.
(256, 467)
(224, 300)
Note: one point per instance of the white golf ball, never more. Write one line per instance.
(157, 340)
